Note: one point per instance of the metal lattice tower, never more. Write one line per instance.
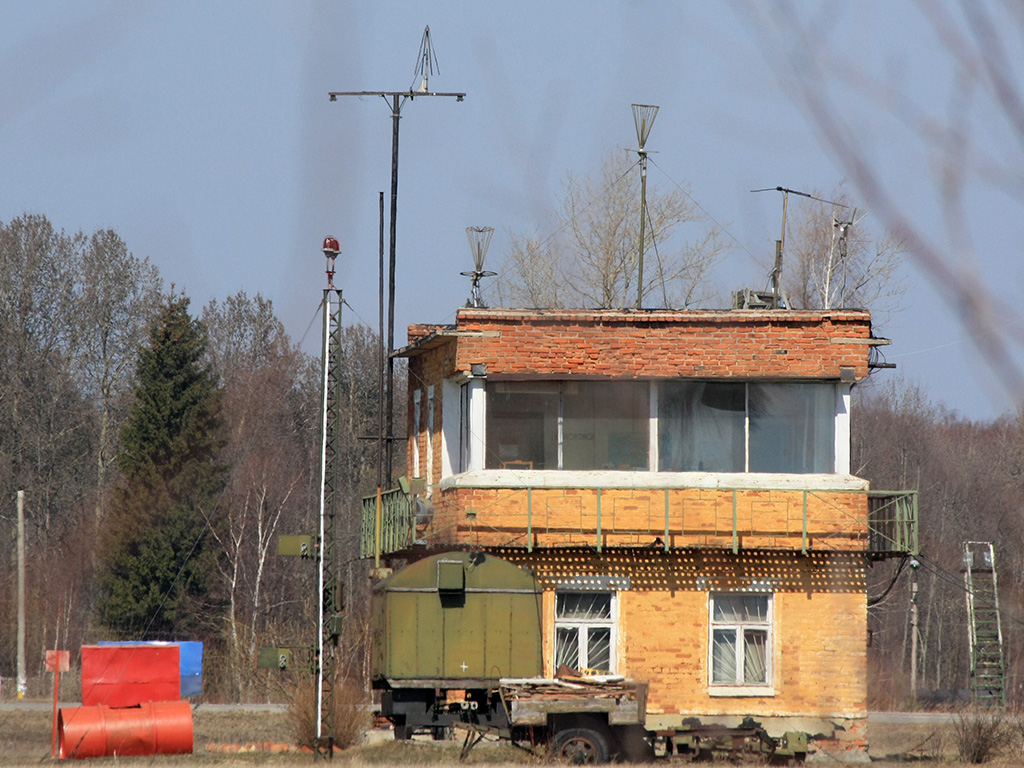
(985, 630)
(329, 619)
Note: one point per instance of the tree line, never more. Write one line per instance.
(163, 450)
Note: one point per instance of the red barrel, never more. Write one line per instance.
(161, 727)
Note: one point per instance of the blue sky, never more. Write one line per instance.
(203, 133)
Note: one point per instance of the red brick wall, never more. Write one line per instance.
(669, 344)
(639, 345)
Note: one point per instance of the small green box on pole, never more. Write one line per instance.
(273, 658)
(295, 546)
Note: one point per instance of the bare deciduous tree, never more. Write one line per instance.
(833, 259)
(592, 260)
(115, 300)
(531, 275)
(970, 138)
(270, 467)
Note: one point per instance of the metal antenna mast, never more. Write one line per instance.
(426, 64)
(479, 242)
(780, 244)
(643, 119)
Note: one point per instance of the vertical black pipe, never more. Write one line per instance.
(380, 353)
(390, 415)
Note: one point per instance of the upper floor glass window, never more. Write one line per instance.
(568, 425)
(700, 426)
(706, 426)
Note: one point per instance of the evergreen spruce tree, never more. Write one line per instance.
(157, 571)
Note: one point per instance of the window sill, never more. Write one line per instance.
(741, 690)
(554, 478)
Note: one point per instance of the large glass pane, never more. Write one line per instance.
(701, 426)
(605, 424)
(567, 647)
(522, 425)
(792, 427)
(755, 656)
(599, 648)
(723, 656)
(583, 606)
(741, 608)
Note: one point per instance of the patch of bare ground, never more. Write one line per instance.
(25, 741)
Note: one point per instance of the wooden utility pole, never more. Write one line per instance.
(22, 677)
(913, 631)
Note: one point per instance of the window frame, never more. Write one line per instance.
(658, 422)
(750, 419)
(585, 625)
(742, 687)
(559, 426)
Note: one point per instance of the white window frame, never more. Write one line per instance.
(741, 687)
(417, 395)
(840, 422)
(843, 434)
(583, 627)
(430, 440)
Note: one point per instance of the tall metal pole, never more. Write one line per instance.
(22, 676)
(380, 393)
(396, 100)
(643, 217)
(328, 599)
(396, 115)
(643, 120)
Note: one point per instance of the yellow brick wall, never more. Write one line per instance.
(560, 517)
(819, 626)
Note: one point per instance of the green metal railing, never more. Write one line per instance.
(892, 524)
(395, 529)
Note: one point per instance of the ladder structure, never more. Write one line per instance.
(329, 622)
(986, 635)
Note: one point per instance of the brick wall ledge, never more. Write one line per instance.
(550, 478)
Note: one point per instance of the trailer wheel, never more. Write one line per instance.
(579, 746)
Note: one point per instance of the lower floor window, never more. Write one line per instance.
(740, 640)
(584, 631)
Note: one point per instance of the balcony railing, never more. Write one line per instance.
(891, 527)
(392, 528)
(892, 522)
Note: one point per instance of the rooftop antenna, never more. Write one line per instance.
(643, 119)
(780, 244)
(426, 63)
(479, 242)
(843, 228)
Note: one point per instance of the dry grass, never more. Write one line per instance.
(352, 716)
(25, 741)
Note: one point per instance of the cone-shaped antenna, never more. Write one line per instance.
(643, 118)
(426, 63)
(479, 242)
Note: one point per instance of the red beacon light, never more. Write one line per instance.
(331, 249)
